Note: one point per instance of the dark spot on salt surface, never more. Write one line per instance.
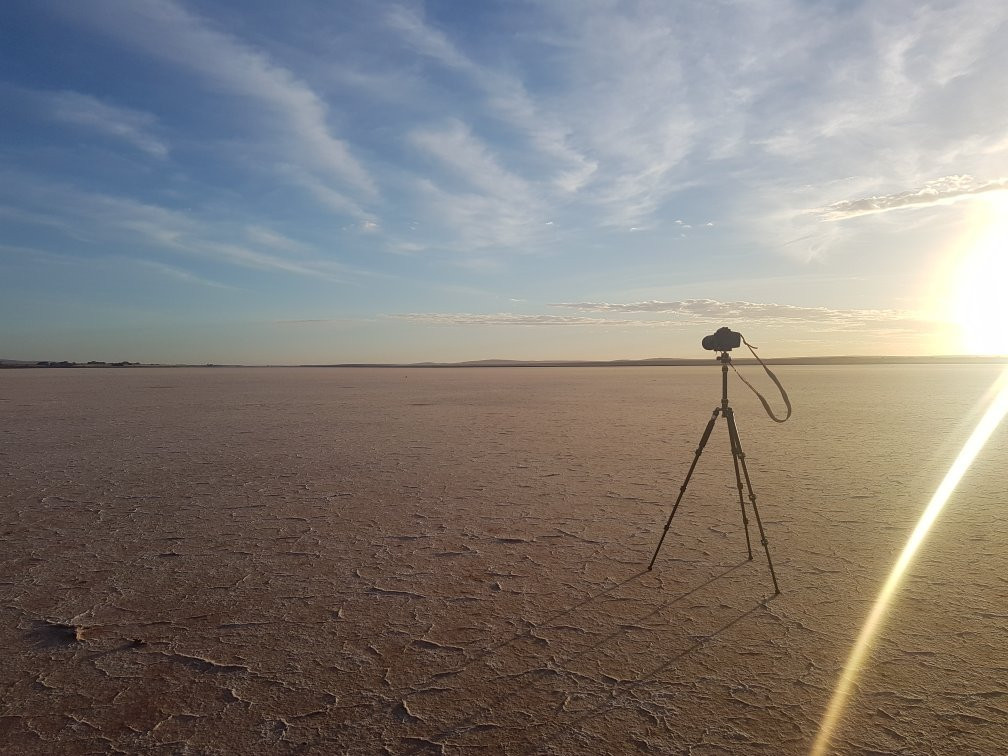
(46, 634)
(401, 712)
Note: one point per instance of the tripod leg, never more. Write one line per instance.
(736, 451)
(682, 489)
(740, 455)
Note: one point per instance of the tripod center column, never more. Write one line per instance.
(724, 359)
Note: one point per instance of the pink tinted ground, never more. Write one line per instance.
(452, 560)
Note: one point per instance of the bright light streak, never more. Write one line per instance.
(988, 423)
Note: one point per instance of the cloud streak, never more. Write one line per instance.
(103, 220)
(710, 309)
(505, 96)
(689, 313)
(224, 62)
(511, 319)
(940, 191)
(134, 127)
(174, 272)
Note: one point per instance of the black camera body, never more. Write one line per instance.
(722, 340)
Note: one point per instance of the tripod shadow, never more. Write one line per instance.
(623, 689)
(656, 610)
(546, 622)
(470, 721)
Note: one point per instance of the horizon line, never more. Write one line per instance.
(504, 362)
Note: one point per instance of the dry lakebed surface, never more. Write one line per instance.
(400, 560)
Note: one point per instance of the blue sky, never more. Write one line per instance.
(265, 182)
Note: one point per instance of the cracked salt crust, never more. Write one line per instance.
(262, 561)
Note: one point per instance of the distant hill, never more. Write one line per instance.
(950, 359)
(7, 363)
(953, 359)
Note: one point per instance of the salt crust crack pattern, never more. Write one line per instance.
(257, 562)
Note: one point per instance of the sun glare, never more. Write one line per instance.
(980, 304)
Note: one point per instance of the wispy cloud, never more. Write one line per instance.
(645, 107)
(608, 118)
(113, 264)
(713, 311)
(225, 62)
(37, 255)
(510, 319)
(714, 308)
(335, 200)
(134, 127)
(882, 114)
(471, 160)
(103, 219)
(480, 196)
(267, 237)
(689, 313)
(474, 220)
(505, 96)
(174, 272)
(940, 191)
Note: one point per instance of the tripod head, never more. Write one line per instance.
(724, 345)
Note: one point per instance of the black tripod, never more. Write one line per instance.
(738, 457)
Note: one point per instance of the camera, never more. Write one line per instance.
(722, 340)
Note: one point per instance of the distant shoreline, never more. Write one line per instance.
(692, 362)
(652, 362)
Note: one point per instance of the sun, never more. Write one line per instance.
(980, 300)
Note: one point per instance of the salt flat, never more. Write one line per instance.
(448, 560)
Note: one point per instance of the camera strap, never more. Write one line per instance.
(766, 405)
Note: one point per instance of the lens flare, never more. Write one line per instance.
(987, 425)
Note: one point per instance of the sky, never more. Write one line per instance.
(328, 182)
